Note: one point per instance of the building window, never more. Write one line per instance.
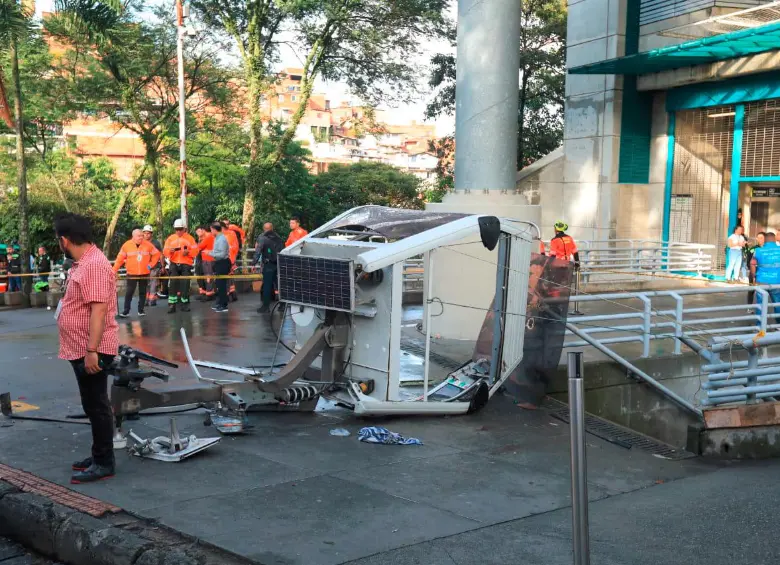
(291, 88)
(281, 98)
(294, 98)
(327, 104)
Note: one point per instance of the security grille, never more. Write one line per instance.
(321, 282)
(761, 139)
(702, 171)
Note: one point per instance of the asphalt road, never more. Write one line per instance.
(491, 488)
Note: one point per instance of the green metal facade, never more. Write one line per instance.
(698, 52)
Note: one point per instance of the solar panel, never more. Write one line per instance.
(322, 282)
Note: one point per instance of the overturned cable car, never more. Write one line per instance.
(342, 286)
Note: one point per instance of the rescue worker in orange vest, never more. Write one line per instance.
(239, 232)
(180, 249)
(296, 231)
(542, 251)
(205, 263)
(234, 245)
(138, 256)
(562, 246)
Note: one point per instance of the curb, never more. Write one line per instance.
(72, 537)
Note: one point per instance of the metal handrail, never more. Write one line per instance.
(647, 323)
(608, 261)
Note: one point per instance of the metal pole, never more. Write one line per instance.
(427, 366)
(576, 311)
(579, 469)
(180, 31)
(486, 95)
(502, 269)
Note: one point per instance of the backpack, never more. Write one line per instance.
(271, 248)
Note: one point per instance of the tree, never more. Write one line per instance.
(48, 102)
(366, 43)
(90, 187)
(363, 183)
(128, 63)
(542, 76)
(14, 29)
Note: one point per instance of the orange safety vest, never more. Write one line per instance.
(295, 235)
(139, 259)
(563, 247)
(232, 238)
(181, 249)
(241, 233)
(205, 245)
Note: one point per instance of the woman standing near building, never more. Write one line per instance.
(735, 244)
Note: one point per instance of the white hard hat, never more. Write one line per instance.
(178, 224)
(148, 228)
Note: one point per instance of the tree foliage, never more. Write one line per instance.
(127, 62)
(542, 75)
(362, 183)
(368, 44)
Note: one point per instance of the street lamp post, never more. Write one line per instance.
(180, 32)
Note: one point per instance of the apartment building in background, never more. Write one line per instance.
(342, 134)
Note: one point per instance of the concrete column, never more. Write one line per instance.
(487, 94)
(485, 161)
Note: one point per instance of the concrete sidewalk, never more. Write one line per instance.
(488, 488)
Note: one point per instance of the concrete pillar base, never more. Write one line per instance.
(16, 299)
(38, 299)
(464, 275)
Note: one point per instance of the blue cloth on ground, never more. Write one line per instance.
(374, 434)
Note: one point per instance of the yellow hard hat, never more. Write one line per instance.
(561, 226)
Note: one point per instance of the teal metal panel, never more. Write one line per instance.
(707, 50)
(669, 175)
(761, 86)
(635, 119)
(736, 163)
(759, 179)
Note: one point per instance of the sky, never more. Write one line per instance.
(338, 92)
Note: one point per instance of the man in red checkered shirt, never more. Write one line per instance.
(88, 338)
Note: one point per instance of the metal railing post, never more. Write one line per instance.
(646, 323)
(579, 470)
(678, 321)
(753, 379)
(699, 262)
(764, 308)
(576, 311)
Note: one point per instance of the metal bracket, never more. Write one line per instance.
(170, 449)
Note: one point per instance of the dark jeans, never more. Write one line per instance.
(97, 407)
(133, 282)
(269, 283)
(222, 267)
(179, 289)
(15, 284)
(205, 269)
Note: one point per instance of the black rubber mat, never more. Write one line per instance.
(618, 435)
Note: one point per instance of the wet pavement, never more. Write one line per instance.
(487, 488)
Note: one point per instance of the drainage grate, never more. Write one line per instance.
(618, 435)
(418, 348)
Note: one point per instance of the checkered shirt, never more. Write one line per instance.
(90, 280)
